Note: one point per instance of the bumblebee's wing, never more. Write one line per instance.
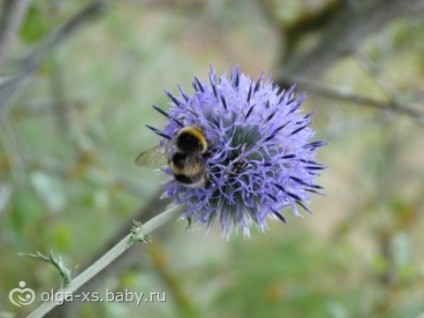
(152, 157)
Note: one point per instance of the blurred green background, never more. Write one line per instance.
(68, 183)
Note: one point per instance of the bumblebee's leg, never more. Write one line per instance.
(189, 222)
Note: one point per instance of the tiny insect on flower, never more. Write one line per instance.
(247, 152)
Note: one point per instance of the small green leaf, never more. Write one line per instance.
(35, 25)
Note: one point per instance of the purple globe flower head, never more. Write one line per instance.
(260, 158)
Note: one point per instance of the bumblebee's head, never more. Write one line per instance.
(191, 140)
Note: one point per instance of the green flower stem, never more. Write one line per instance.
(106, 259)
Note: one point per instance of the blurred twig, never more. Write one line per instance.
(346, 31)
(11, 16)
(378, 75)
(309, 21)
(34, 59)
(60, 103)
(345, 95)
(192, 4)
(64, 272)
(349, 26)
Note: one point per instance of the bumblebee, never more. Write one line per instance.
(185, 159)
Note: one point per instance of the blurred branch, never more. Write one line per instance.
(11, 16)
(34, 59)
(309, 20)
(191, 4)
(345, 31)
(346, 95)
(377, 74)
(350, 25)
(60, 105)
